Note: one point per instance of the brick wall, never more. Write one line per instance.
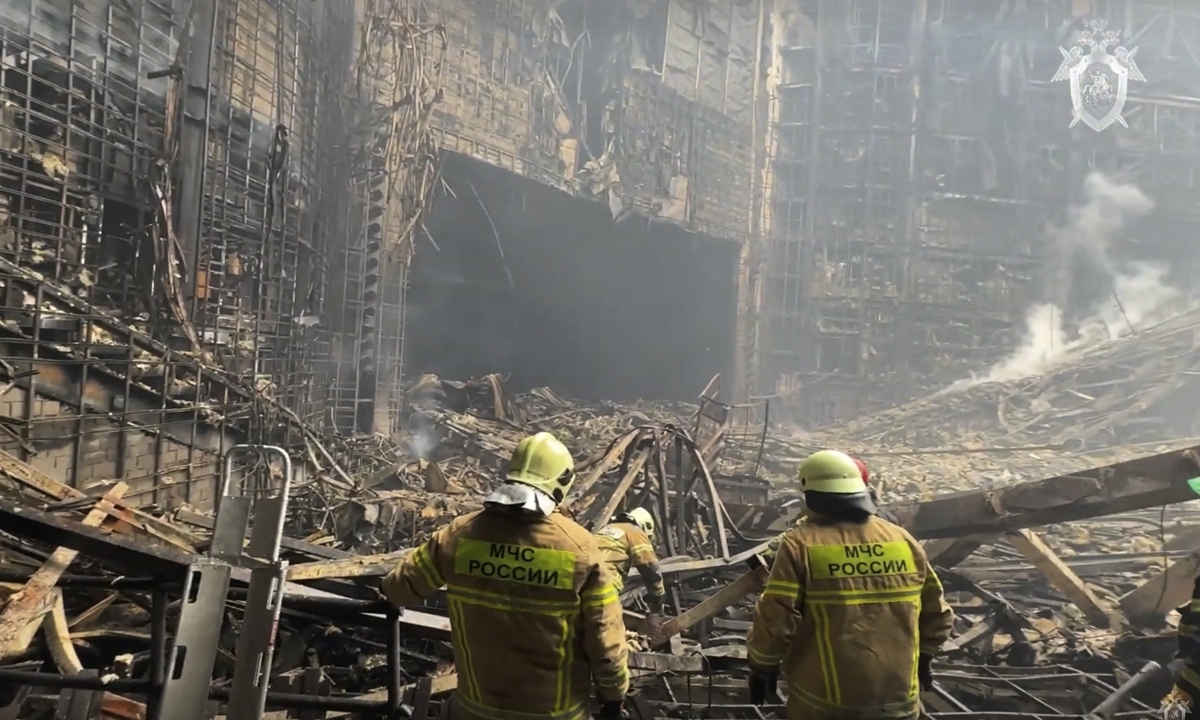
(164, 466)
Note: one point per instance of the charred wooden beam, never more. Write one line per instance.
(1132, 485)
(1064, 579)
(751, 582)
(25, 610)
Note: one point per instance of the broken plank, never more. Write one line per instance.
(142, 559)
(1147, 482)
(949, 552)
(732, 593)
(133, 556)
(1164, 591)
(94, 612)
(58, 639)
(618, 494)
(34, 479)
(299, 546)
(440, 685)
(584, 486)
(353, 567)
(116, 707)
(32, 602)
(1063, 578)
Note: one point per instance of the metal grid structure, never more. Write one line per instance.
(84, 121)
(259, 181)
(172, 260)
(385, 158)
(908, 198)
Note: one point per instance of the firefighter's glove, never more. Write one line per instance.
(925, 672)
(612, 710)
(655, 603)
(762, 686)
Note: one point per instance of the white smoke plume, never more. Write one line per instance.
(1137, 294)
(422, 442)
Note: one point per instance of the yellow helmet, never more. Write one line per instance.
(643, 519)
(833, 472)
(543, 463)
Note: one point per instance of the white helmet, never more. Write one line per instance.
(643, 519)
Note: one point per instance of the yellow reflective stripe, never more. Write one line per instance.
(863, 597)
(762, 659)
(474, 707)
(914, 685)
(462, 649)
(610, 544)
(563, 686)
(833, 691)
(613, 679)
(605, 595)
(902, 710)
(782, 588)
(506, 603)
(640, 548)
(425, 565)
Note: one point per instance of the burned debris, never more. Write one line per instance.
(1040, 633)
(244, 226)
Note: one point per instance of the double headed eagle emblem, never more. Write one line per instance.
(1099, 79)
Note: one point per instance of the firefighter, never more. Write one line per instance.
(533, 613)
(1187, 657)
(773, 546)
(852, 612)
(627, 542)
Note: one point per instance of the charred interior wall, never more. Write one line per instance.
(143, 238)
(644, 104)
(644, 107)
(921, 158)
(518, 278)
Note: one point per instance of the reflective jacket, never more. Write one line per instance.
(624, 545)
(845, 612)
(773, 547)
(533, 615)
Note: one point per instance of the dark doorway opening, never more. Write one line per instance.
(518, 278)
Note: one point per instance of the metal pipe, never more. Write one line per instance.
(158, 653)
(115, 583)
(395, 695)
(681, 523)
(303, 603)
(1113, 702)
(285, 701)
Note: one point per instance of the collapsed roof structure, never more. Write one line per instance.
(1025, 597)
(249, 221)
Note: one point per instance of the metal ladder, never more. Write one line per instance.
(206, 589)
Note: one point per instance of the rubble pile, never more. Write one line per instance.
(1064, 605)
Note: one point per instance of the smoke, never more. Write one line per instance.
(1093, 298)
(422, 442)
